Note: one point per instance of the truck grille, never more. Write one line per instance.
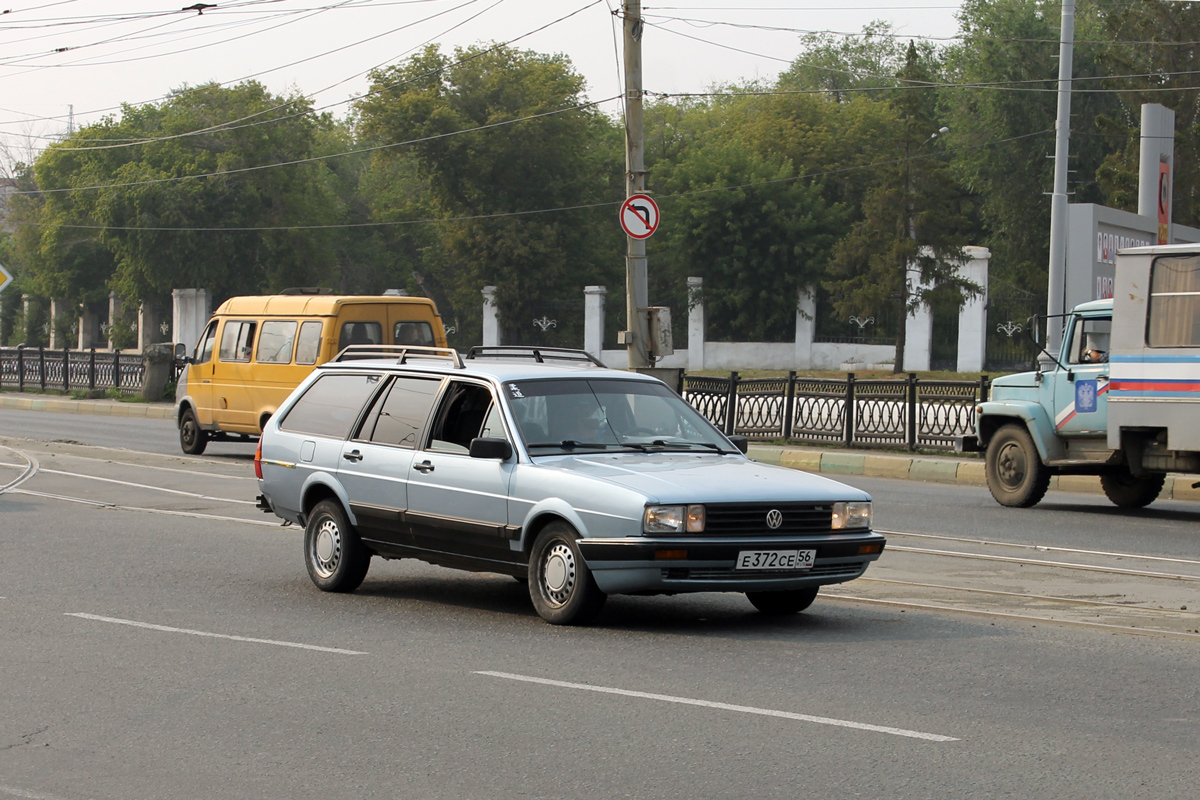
(750, 519)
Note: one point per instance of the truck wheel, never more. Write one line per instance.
(1126, 490)
(1016, 475)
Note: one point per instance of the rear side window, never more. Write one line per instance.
(330, 405)
(237, 340)
(360, 333)
(420, 333)
(275, 342)
(1173, 319)
(403, 412)
(308, 344)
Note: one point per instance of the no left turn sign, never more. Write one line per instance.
(639, 216)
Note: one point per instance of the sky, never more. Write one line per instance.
(74, 61)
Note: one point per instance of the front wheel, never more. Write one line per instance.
(1016, 475)
(779, 603)
(1127, 490)
(192, 438)
(334, 555)
(561, 586)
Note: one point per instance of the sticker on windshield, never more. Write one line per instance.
(515, 391)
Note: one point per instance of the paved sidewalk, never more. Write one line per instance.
(948, 468)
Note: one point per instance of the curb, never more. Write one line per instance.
(99, 408)
(935, 469)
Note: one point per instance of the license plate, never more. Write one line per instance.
(776, 559)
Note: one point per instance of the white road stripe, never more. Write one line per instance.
(168, 629)
(10, 790)
(766, 712)
(167, 511)
(144, 486)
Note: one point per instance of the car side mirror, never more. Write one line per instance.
(488, 447)
(740, 442)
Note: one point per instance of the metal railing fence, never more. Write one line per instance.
(898, 412)
(24, 368)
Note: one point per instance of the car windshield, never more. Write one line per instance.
(570, 416)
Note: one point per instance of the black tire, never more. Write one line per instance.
(561, 586)
(792, 601)
(333, 554)
(1126, 490)
(1016, 475)
(192, 438)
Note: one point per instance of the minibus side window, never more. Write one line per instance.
(308, 345)
(236, 341)
(275, 342)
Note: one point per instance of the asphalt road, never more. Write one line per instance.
(179, 651)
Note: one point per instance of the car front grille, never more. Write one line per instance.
(728, 573)
(750, 519)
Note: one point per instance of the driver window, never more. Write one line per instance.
(204, 349)
(460, 418)
(1090, 341)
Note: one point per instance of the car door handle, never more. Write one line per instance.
(424, 466)
(353, 455)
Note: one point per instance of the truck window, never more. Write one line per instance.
(275, 342)
(237, 340)
(1173, 317)
(308, 344)
(360, 333)
(420, 333)
(1090, 341)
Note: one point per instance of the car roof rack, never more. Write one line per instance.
(402, 352)
(538, 354)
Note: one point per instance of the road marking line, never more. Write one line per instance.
(766, 712)
(1041, 563)
(169, 512)
(168, 629)
(145, 486)
(27, 794)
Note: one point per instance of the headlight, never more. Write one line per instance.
(673, 519)
(851, 515)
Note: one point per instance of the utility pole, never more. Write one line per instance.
(637, 292)
(1056, 289)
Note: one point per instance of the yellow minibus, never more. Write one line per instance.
(255, 350)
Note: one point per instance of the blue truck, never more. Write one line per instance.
(1121, 399)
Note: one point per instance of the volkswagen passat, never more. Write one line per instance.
(542, 464)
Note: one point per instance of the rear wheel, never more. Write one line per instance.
(1016, 475)
(1127, 490)
(333, 553)
(192, 438)
(561, 586)
(779, 603)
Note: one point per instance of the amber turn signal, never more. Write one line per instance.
(868, 549)
(670, 553)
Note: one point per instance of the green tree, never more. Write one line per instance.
(909, 241)
(493, 134)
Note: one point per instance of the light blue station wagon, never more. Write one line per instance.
(542, 464)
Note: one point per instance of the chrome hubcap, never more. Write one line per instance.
(327, 548)
(559, 573)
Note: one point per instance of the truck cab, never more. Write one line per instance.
(1121, 399)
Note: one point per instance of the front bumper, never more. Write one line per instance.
(642, 564)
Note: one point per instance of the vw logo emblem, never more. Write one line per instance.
(774, 518)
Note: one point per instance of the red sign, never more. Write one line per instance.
(1164, 202)
(639, 216)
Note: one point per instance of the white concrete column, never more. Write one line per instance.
(695, 294)
(1157, 149)
(918, 328)
(491, 318)
(806, 327)
(190, 310)
(972, 317)
(89, 327)
(148, 321)
(593, 319)
(61, 313)
(116, 309)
